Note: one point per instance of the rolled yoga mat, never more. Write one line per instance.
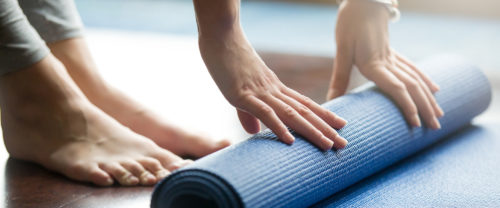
(263, 172)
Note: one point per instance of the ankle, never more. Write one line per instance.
(42, 86)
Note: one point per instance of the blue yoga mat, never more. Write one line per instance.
(263, 172)
(461, 170)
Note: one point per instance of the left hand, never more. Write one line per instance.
(363, 40)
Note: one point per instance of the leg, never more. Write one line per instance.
(46, 119)
(75, 55)
(60, 26)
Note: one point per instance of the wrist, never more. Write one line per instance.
(381, 9)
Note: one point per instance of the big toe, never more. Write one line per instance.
(90, 173)
(178, 164)
(201, 147)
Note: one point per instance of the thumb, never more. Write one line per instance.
(249, 122)
(342, 67)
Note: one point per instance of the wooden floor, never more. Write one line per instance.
(28, 185)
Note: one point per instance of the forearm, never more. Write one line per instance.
(217, 19)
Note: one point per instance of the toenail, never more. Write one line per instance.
(109, 181)
(131, 180)
(162, 174)
(148, 177)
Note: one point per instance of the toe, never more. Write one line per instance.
(201, 147)
(169, 160)
(165, 157)
(88, 172)
(122, 175)
(100, 177)
(154, 166)
(178, 164)
(144, 176)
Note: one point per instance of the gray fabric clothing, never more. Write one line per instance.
(23, 44)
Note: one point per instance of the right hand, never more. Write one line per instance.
(257, 93)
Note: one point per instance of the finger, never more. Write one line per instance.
(432, 85)
(267, 115)
(315, 120)
(145, 177)
(342, 67)
(419, 97)
(294, 120)
(390, 84)
(249, 122)
(329, 117)
(122, 175)
(437, 110)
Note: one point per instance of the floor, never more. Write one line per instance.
(172, 63)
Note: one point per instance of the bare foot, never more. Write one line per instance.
(74, 54)
(47, 120)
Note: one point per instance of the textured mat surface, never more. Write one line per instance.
(460, 171)
(262, 172)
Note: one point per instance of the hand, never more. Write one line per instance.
(256, 92)
(363, 40)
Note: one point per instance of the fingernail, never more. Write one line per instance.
(290, 138)
(435, 123)
(436, 87)
(416, 121)
(341, 141)
(328, 143)
(342, 120)
(441, 112)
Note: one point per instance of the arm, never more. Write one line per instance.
(363, 41)
(250, 86)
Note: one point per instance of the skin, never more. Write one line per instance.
(76, 57)
(252, 88)
(46, 119)
(363, 40)
(89, 131)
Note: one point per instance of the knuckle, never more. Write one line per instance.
(240, 100)
(265, 110)
(317, 134)
(413, 74)
(412, 110)
(303, 110)
(398, 86)
(326, 113)
(308, 101)
(412, 85)
(281, 131)
(289, 111)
